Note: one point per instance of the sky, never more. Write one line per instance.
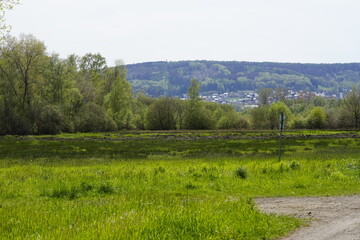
(299, 31)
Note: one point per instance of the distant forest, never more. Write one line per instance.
(173, 78)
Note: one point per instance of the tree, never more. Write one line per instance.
(55, 82)
(139, 108)
(194, 91)
(196, 116)
(21, 78)
(274, 114)
(93, 118)
(90, 77)
(259, 117)
(163, 115)
(4, 6)
(264, 96)
(281, 93)
(118, 101)
(352, 106)
(24, 56)
(317, 118)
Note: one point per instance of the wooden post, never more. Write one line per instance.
(281, 128)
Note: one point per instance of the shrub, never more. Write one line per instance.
(50, 120)
(298, 123)
(294, 166)
(317, 118)
(162, 115)
(93, 118)
(106, 188)
(242, 123)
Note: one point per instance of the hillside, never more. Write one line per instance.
(173, 78)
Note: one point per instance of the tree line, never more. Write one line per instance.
(41, 93)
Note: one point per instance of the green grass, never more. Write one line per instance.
(160, 188)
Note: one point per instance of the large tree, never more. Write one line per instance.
(21, 78)
(90, 79)
(264, 95)
(197, 116)
(352, 106)
(118, 101)
(21, 65)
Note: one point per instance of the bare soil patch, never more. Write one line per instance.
(331, 217)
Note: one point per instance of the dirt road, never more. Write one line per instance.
(332, 218)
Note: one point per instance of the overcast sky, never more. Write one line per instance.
(307, 31)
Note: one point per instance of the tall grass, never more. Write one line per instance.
(161, 189)
(140, 217)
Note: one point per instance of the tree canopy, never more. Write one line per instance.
(5, 5)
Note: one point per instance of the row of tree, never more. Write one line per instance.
(312, 112)
(41, 93)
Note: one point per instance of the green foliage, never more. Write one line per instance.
(274, 114)
(194, 91)
(50, 120)
(198, 118)
(298, 123)
(196, 115)
(44, 94)
(264, 95)
(5, 5)
(118, 100)
(352, 106)
(227, 118)
(317, 118)
(93, 118)
(259, 117)
(164, 114)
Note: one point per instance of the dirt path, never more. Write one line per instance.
(333, 218)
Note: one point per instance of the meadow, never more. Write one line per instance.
(166, 185)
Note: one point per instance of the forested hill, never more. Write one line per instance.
(173, 78)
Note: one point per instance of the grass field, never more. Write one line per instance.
(166, 185)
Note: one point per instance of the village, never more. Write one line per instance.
(250, 99)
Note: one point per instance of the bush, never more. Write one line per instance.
(259, 117)
(50, 120)
(93, 118)
(227, 121)
(162, 115)
(200, 118)
(317, 118)
(242, 123)
(298, 123)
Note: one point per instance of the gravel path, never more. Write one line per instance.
(333, 218)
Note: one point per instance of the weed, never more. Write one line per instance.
(159, 170)
(294, 166)
(106, 188)
(191, 186)
(65, 192)
(241, 173)
(86, 186)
